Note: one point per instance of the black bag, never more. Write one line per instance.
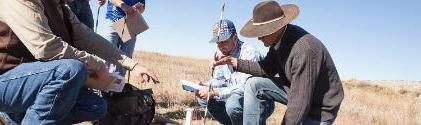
(131, 107)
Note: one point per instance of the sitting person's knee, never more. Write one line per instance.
(74, 70)
(251, 83)
(233, 109)
(233, 106)
(74, 66)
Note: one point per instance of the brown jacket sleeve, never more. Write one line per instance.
(27, 20)
(89, 41)
(266, 67)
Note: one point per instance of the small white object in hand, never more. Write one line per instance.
(118, 85)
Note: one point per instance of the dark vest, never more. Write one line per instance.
(13, 52)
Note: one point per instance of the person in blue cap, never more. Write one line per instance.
(226, 97)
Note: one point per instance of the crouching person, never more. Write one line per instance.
(298, 70)
(226, 98)
(46, 57)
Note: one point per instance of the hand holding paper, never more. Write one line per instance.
(204, 93)
(100, 79)
(139, 7)
(118, 84)
(129, 10)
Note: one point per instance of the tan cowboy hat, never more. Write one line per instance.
(269, 17)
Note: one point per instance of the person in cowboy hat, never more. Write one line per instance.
(297, 71)
(226, 97)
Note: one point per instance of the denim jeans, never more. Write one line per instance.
(127, 47)
(48, 93)
(260, 89)
(230, 111)
(83, 12)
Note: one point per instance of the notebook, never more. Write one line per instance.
(191, 86)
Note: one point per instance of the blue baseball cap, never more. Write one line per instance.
(226, 30)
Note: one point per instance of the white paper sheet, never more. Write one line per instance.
(190, 86)
(118, 85)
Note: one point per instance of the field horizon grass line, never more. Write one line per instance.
(366, 102)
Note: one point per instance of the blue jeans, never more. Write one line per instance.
(127, 48)
(48, 93)
(83, 12)
(260, 89)
(230, 111)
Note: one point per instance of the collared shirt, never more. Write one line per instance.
(28, 22)
(225, 80)
(116, 13)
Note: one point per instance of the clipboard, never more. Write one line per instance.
(130, 26)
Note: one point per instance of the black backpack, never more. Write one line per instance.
(131, 107)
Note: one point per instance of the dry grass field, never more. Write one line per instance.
(365, 103)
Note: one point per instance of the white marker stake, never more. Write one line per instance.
(189, 114)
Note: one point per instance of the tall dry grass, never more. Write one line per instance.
(170, 70)
(367, 103)
(364, 103)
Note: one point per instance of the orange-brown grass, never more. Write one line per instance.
(364, 102)
(368, 103)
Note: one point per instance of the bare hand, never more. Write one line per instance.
(213, 62)
(226, 60)
(203, 94)
(101, 2)
(101, 74)
(144, 75)
(139, 7)
(128, 9)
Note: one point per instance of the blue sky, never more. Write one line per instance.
(372, 40)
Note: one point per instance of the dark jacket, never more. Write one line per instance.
(307, 70)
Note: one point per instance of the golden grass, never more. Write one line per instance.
(364, 103)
